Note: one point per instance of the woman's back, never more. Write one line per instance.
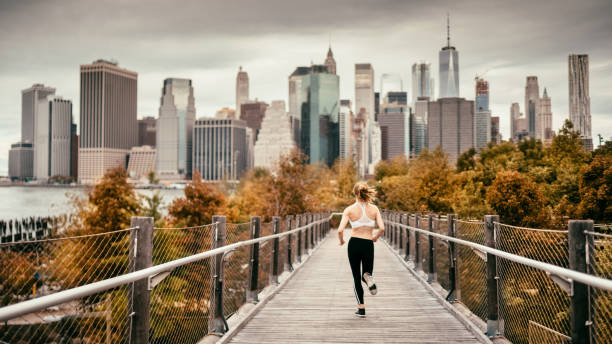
(362, 217)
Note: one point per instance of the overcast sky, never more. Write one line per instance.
(206, 41)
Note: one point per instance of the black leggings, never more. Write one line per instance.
(360, 254)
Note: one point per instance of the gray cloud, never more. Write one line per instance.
(46, 41)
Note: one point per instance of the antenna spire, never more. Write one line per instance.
(447, 29)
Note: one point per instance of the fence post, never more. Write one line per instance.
(579, 299)
(254, 260)
(395, 230)
(298, 223)
(141, 257)
(418, 261)
(453, 276)
(216, 320)
(407, 250)
(275, 250)
(432, 276)
(492, 293)
(398, 228)
(289, 244)
(313, 229)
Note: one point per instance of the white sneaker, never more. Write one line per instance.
(370, 282)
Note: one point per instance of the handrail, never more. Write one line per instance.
(34, 305)
(591, 280)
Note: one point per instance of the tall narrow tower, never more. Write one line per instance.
(532, 108)
(449, 67)
(579, 98)
(242, 89)
(330, 62)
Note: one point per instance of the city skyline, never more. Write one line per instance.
(412, 32)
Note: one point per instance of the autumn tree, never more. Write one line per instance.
(398, 166)
(596, 189)
(517, 200)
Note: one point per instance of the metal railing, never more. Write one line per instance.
(529, 285)
(169, 290)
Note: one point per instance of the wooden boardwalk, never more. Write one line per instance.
(317, 306)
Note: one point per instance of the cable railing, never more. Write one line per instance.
(529, 285)
(193, 281)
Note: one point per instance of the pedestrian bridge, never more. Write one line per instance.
(440, 280)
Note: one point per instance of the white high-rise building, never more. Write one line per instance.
(345, 117)
(449, 68)
(364, 103)
(376, 146)
(579, 97)
(175, 129)
(30, 100)
(419, 126)
(52, 141)
(141, 162)
(242, 89)
(422, 81)
(275, 137)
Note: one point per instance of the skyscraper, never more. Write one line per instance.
(253, 113)
(482, 130)
(108, 124)
(364, 99)
(275, 137)
(175, 129)
(390, 83)
(242, 89)
(518, 124)
(451, 126)
(546, 114)
(319, 122)
(30, 101)
(52, 143)
(532, 108)
(295, 91)
(449, 68)
(495, 135)
(330, 62)
(397, 97)
(579, 98)
(21, 158)
(345, 119)
(394, 120)
(422, 81)
(220, 148)
(146, 131)
(418, 130)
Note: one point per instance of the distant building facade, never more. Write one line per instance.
(482, 129)
(253, 113)
(31, 99)
(242, 89)
(394, 120)
(220, 148)
(175, 130)
(546, 115)
(495, 134)
(21, 161)
(364, 99)
(579, 97)
(390, 83)
(141, 162)
(52, 144)
(146, 131)
(225, 113)
(400, 98)
(345, 121)
(418, 129)
(450, 125)
(275, 137)
(108, 123)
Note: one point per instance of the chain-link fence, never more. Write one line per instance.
(31, 269)
(472, 268)
(442, 267)
(235, 268)
(527, 294)
(179, 303)
(600, 264)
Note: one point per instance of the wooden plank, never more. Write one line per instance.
(317, 306)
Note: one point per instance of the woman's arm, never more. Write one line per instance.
(342, 226)
(381, 225)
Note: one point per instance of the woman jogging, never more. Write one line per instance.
(363, 216)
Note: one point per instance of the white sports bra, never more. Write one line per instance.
(364, 220)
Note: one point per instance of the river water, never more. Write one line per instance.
(20, 201)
